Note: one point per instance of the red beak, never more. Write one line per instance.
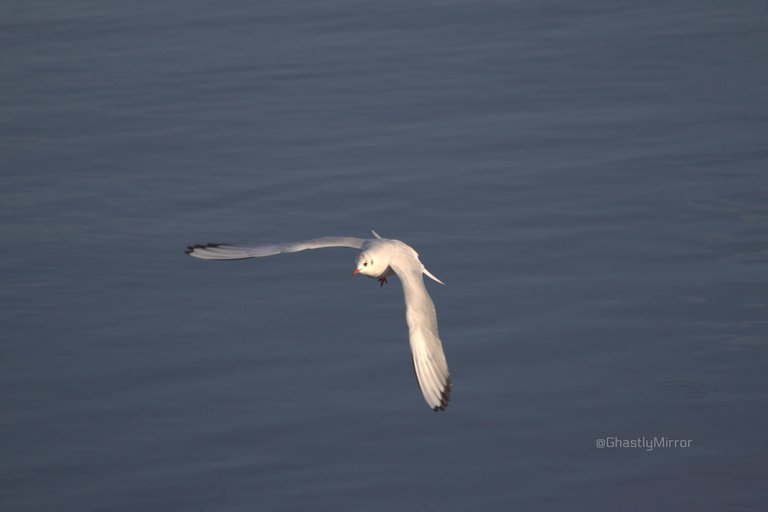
(356, 271)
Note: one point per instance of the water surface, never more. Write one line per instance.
(588, 179)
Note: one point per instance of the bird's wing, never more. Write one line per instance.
(428, 357)
(239, 252)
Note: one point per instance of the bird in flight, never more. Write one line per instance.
(379, 259)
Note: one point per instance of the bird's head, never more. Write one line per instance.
(368, 264)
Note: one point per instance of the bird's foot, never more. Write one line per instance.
(382, 281)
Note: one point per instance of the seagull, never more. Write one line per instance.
(379, 259)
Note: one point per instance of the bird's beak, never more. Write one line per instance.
(356, 271)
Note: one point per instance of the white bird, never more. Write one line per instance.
(379, 258)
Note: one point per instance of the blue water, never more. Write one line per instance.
(588, 178)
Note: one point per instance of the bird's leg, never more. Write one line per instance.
(383, 280)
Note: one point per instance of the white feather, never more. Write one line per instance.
(428, 358)
(381, 258)
(239, 252)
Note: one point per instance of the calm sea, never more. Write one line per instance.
(590, 179)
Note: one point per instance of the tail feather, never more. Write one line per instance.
(429, 274)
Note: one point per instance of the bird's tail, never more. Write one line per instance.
(429, 274)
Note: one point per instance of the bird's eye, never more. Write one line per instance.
(365, 264)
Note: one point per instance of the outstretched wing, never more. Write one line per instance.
(239, 252)
(428, 357)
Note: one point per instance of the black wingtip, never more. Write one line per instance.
(191, 248)
(445, 395)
